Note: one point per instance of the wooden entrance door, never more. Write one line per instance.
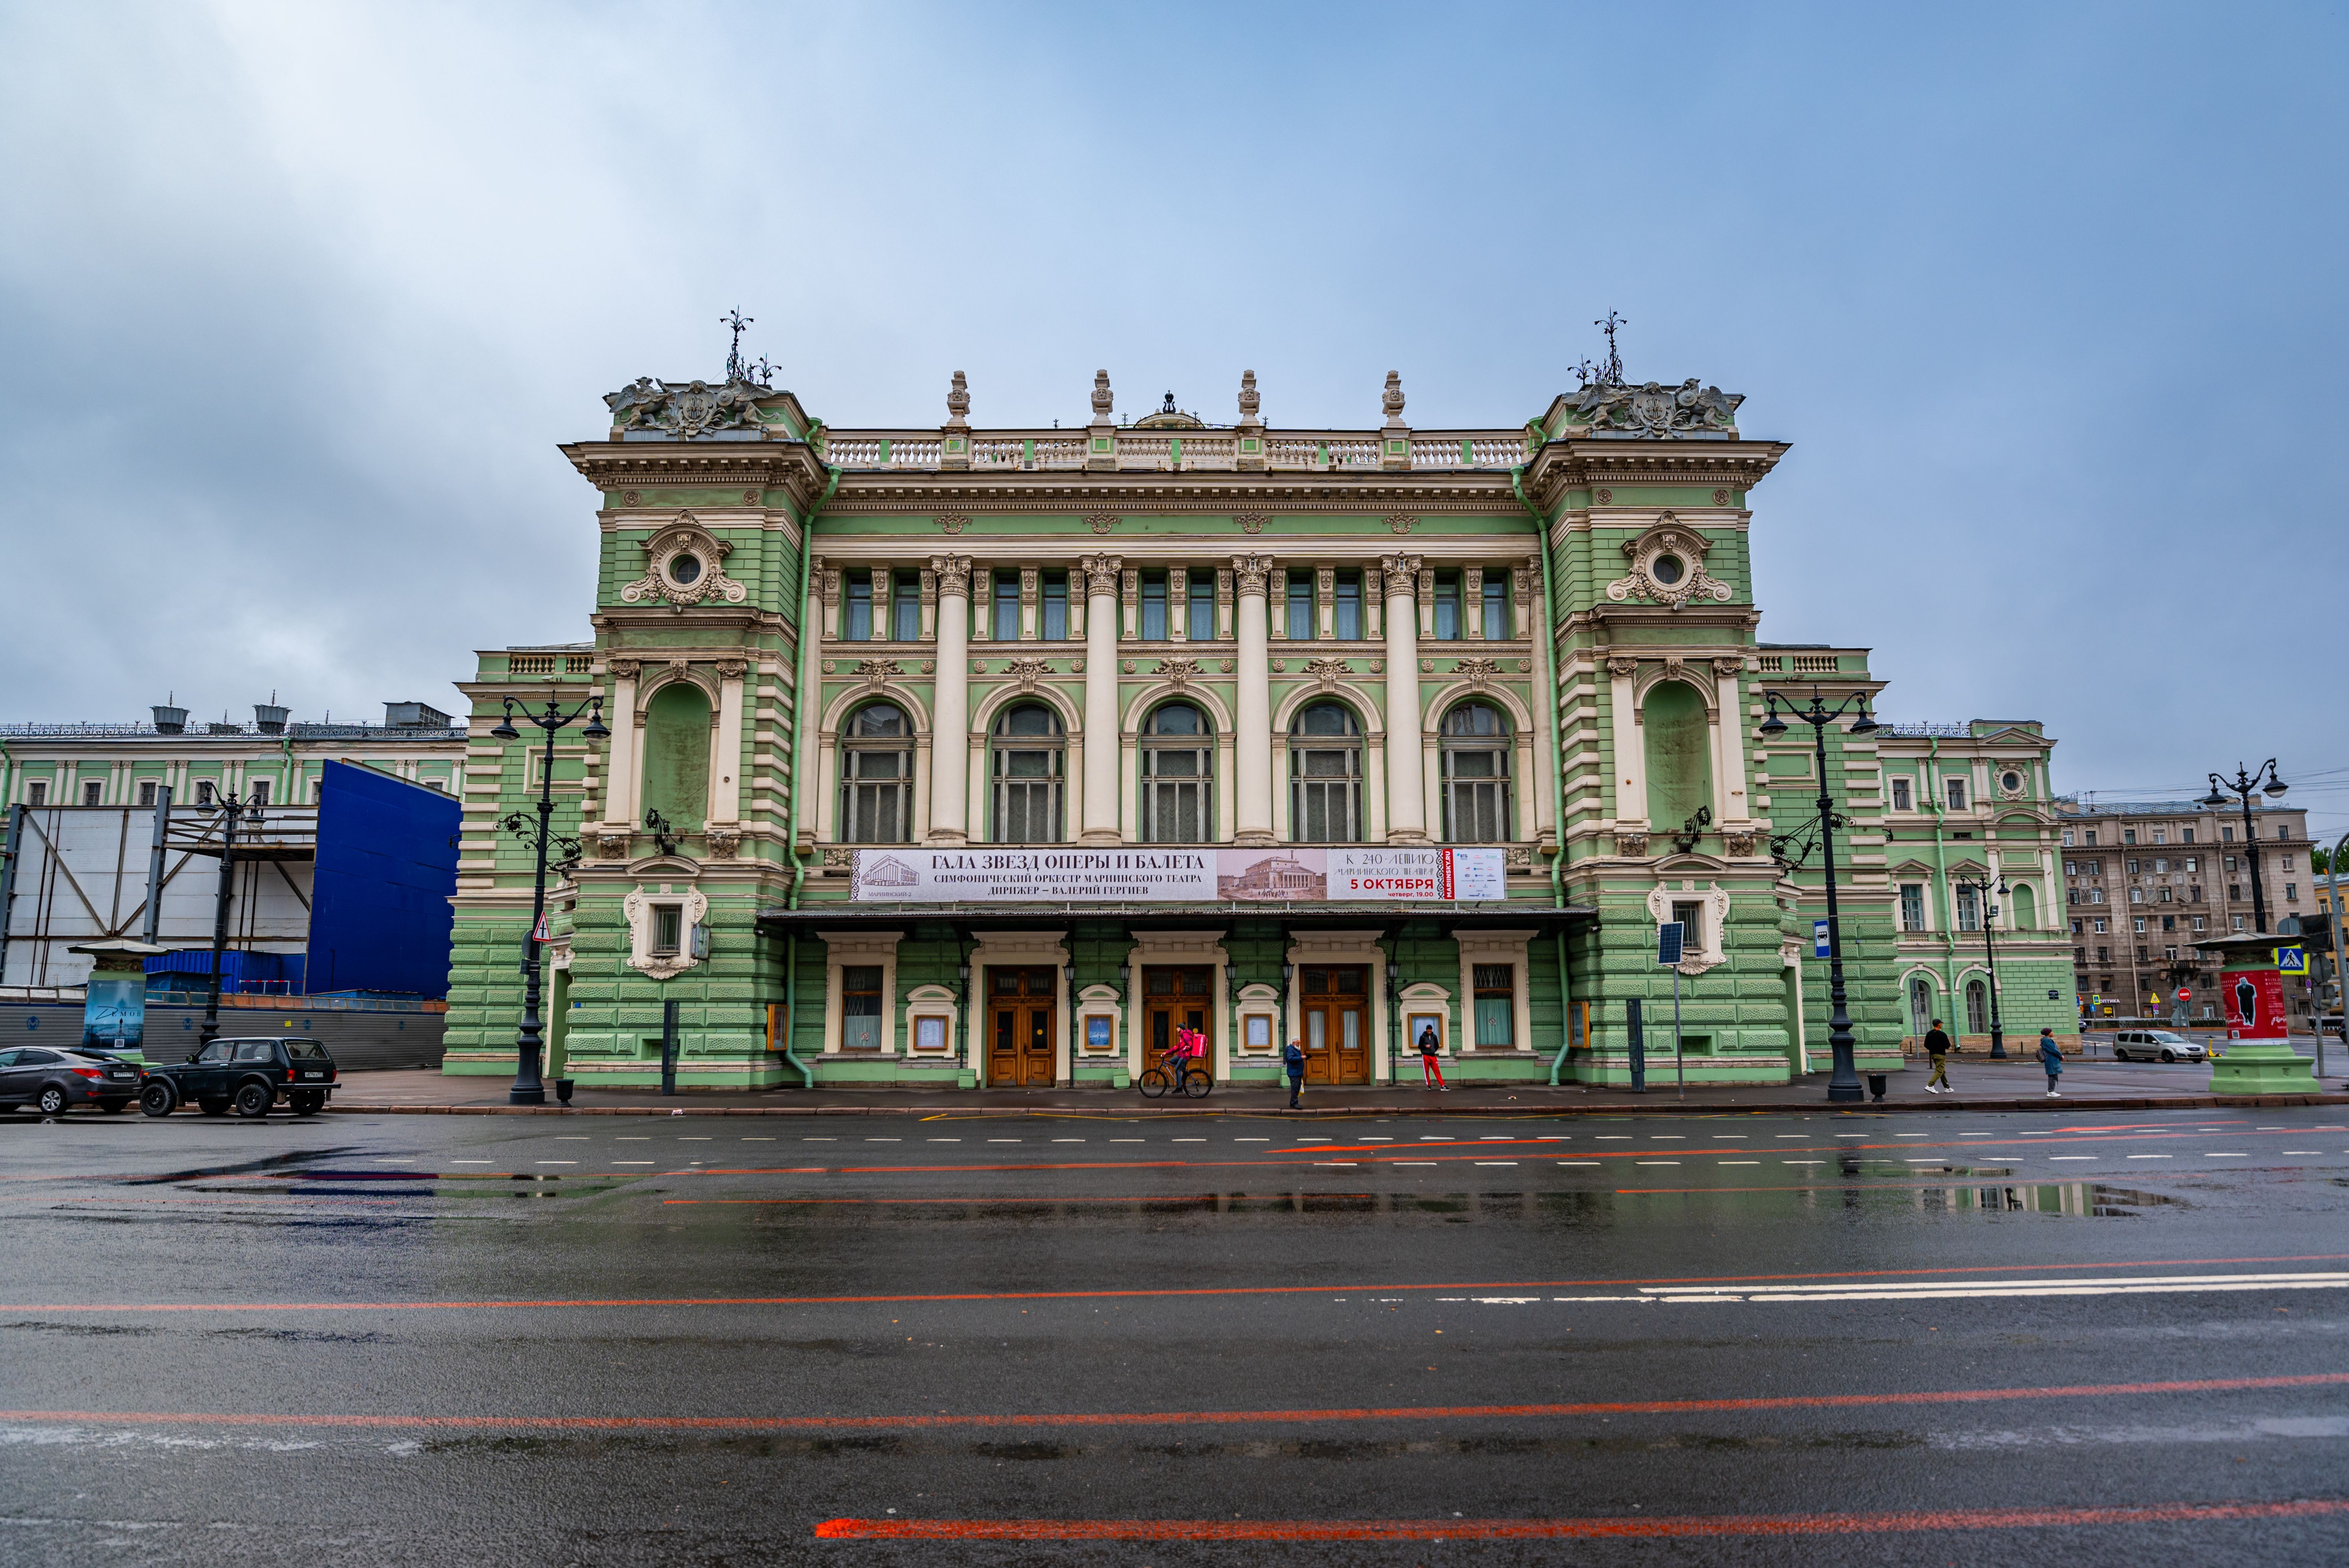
(1019, 1028)
(1333, 1008)
(1176, 998)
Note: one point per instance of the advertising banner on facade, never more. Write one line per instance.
(1144, 873)
(2254, 1000)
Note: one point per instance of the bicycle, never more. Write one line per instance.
(1193, 1082)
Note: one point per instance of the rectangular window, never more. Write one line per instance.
(1154, 607)
(147, 793)
(2199, 924)
(2237, 921)
(2103, 926)
(1447, 606)
(668, 929)
(2133, 866)
(2191, 862)
(1056, 606)
(905, 607)
(2168, 922)
(2092, 838)
(860, 1007)
(2161, 864)
(1968, 909)
(2160, 836)
(1957, 794)
(2137, 925)
(2292, 892)
(856, 624)
(2284, 832)
(1347, 605)
(2231, 862)
(2226, 835)
(204, 792)
(1912, 906)
(1690, 912)
(2186, 835)
(1496, 1004)
(1202, 624)
(2128, 835)
(2103, 955)
(1007, 605)
(93, 793)
(1496, 605)
(1900, 796)
(37, 793)
(2283, 863)
(2067, 837)
(2165, 896)
(1301, 604)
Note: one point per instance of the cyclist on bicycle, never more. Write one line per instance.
(1188, 1046)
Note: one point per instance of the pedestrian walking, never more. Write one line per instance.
(1429, 1071)
(1292, 1059)
(2051, 1057)
(1937, 1047)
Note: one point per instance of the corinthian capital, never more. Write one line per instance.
(1250, 573)
(1401, 572)
(1100, 574)
(953, 573)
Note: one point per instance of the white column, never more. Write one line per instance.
(620, 762)
(1406, 797)
(950, 704)
(726, 776)
(1101, 698)
(1631, 750)
(1736, 790)
(1252, 744)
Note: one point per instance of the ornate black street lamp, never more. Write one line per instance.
(528, 1090)
(237, 811)
(2244, 785)
(1842, 1084)
(1983, 888)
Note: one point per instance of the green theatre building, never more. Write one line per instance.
(957, 758)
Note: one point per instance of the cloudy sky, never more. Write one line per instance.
(295, 302)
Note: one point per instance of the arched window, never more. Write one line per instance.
(2025, 906)
(677, 756)
(1031, 763)
(1325, 773)
(1476, 741)
(1977, 1008)
(1178, 769)
(876, 777)
(1920, 1006)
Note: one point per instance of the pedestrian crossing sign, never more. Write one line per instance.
(2292, 960)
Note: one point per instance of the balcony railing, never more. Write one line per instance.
(1175, 452)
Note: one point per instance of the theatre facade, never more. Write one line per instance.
(958, 757)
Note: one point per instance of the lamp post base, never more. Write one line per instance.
(1846, 1094)
(529, 1088)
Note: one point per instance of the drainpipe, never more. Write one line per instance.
(1548, 676)
(790, 1009)
(800, 689)
(803, 691)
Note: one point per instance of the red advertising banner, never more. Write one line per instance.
(2254, 1000)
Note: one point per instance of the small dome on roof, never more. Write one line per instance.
(1169, 417)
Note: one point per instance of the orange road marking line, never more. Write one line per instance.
(1181, 1418)
(1175, 1291)
(1563, 1529)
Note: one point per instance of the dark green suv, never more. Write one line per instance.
(249, 1075)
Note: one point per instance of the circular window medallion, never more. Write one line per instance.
(1667, 570)
(2010, 782)
(685, 570)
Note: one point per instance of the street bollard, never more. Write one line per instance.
(668, 1047)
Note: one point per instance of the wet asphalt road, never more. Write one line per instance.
(1963, 1337)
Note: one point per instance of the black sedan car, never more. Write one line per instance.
(53, 1082)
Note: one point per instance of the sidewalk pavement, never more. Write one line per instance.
(1981, 1085)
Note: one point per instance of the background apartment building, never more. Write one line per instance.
(2144, 881)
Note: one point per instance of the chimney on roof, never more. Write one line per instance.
(268, 718)
(170, 720)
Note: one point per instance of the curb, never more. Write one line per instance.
(1658, 1108)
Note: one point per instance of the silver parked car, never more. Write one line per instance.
(2156, 1044)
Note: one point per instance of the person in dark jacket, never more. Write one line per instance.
(1292, 1059)
(2051, 1057)
(1937, 1046)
